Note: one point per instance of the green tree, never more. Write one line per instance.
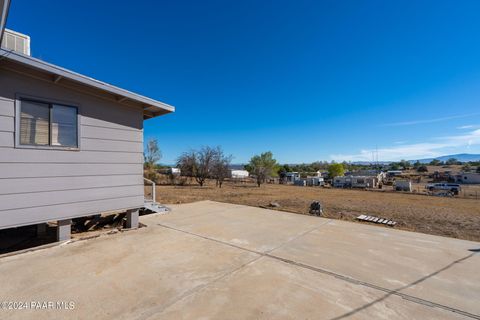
(404, 164)
(262, 167)
(422, 169)
(336, 170)
(451, 161)
(435, 162)
(394, 166)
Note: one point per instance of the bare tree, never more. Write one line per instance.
(220, 168)
(187, 163)
(197, 164)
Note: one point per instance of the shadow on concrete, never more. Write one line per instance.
(397, 291)
(15, 239)
(28, 237)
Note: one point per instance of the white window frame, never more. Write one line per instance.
(18, 106)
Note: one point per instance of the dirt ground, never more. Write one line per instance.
(451, 217)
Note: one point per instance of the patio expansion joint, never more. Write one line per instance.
(267, 254)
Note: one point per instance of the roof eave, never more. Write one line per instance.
(58, 73)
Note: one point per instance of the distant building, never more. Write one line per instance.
(342, 182)
(468, 178)
(394, 173)
(315, 181)
(170, 170)
(238, 174)
(174, 171)
(356, 182)
(300, 182)
(291, 177)
(323, 174)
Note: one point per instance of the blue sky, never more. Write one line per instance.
(307, 80)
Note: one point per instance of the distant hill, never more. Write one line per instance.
(367, 163)
(463, 157)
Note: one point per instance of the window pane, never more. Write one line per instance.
(64, 126)
(34, 127)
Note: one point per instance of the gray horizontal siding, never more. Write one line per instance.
(33, 170)
(47, 184)
(106, 174)
(11, 218)
(112, 134)
(90, 144)
(6, 139)
(60, 156)
(7, 123)
(6, 107)
(17, 201)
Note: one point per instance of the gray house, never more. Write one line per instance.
(70, 145)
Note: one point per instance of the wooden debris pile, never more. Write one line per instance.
(373, 219)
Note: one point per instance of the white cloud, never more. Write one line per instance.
(415, 122)
(469, 126)
(437, 147)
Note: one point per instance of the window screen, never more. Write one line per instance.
(46, 124)
(34, 123)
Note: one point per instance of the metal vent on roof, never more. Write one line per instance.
(16, 41)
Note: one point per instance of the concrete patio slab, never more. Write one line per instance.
(424, 266)
(249, 227)
(421, 265)
(121, 276)
(270, 289)
(219, 261)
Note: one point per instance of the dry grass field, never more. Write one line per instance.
(451, 217)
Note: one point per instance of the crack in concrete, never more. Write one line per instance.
(388, 292)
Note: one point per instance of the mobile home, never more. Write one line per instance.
(291, 177)
(70, 145)
(468, 178)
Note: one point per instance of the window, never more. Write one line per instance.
(48, 124)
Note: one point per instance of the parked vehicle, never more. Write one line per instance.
(452, 187)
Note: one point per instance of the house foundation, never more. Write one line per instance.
(64, 230)
(132, 219)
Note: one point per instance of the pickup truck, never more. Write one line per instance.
(452, 187)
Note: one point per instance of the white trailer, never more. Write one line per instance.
(239, 174)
